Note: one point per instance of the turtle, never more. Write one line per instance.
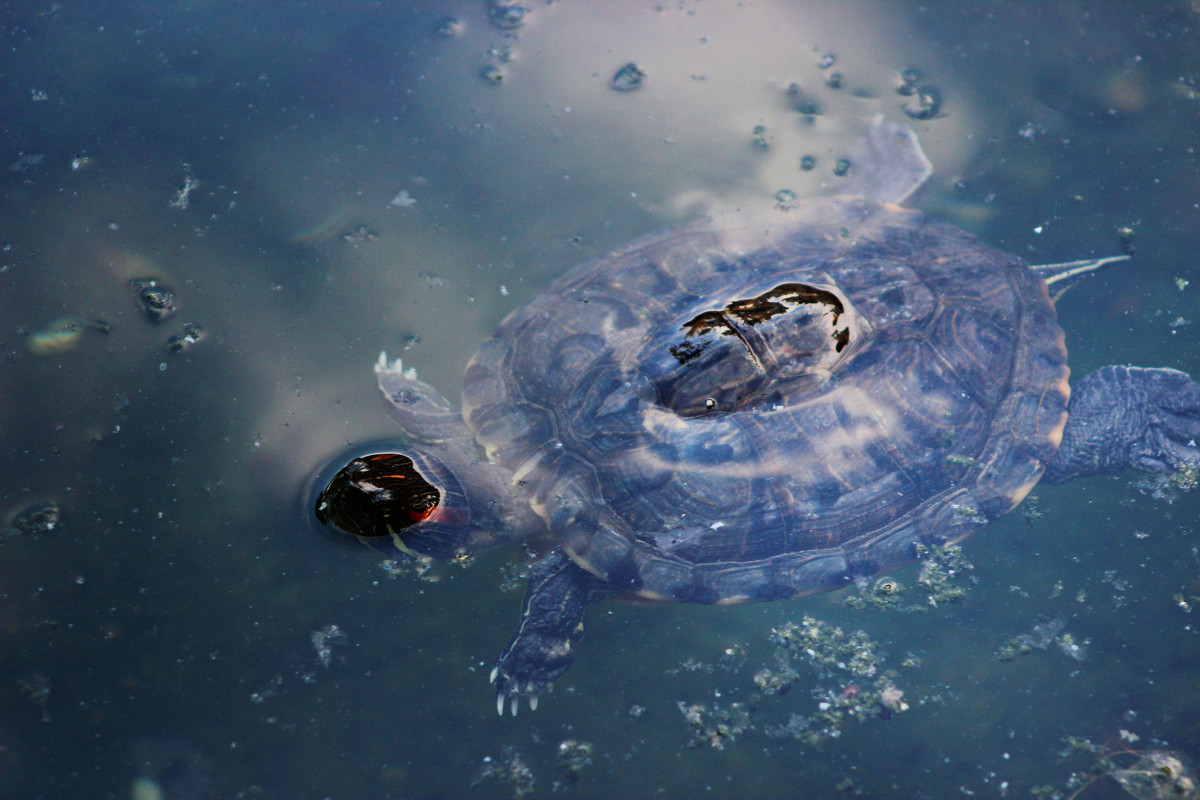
(754, 409)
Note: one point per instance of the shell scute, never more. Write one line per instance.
(724, 413)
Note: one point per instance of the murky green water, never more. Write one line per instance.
(361, 184)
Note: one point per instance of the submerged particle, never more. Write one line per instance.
(760, 141)
(924, 103)
(448, 27)
(834, 81)
(802, 101)
(906, 81)
(841, 167)
(492, 75)
(628, 78)
(785, 199)
(1125, 237)
(808, 162)
(156, 301)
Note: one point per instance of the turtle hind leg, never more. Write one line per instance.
(551, 625)
(1121, 417)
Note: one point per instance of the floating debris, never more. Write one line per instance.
(179, 342)
(35, 519)
(403, 199)
(573, 756)
(852, 686)
(628, 78)
(1167, 486)
(1156, 774)
(510, 770)
(181, 199)
(449, 27)
(827, 61)
(417, 566)
(359, 235)
(841, 167)
(713, 725)
(1039, 638)
(37, 688)
(323, 641)
(807, 163)
(25, 161)
(944, 570)
(785, 199)
(156, 300)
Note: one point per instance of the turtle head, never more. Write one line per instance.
(411, 503)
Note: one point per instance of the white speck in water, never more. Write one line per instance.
(403, 200)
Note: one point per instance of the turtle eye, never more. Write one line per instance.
(377, 495)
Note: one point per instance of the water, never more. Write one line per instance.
(362, 185)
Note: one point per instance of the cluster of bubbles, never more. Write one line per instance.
(922, 101)
(509, 16)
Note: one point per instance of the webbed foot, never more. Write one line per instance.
(551, 626)
(1122, 417)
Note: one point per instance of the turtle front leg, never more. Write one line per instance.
(1122, 417)
(551, 626)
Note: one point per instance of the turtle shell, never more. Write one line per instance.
(726, 413)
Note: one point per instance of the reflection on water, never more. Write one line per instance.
(316, 184)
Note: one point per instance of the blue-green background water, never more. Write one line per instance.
(164, 629)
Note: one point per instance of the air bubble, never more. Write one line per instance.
(924, 103)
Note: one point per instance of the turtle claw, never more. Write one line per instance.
(514, 703)
(551, 624)
(510, 690)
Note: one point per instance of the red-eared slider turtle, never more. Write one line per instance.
(735, 412)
